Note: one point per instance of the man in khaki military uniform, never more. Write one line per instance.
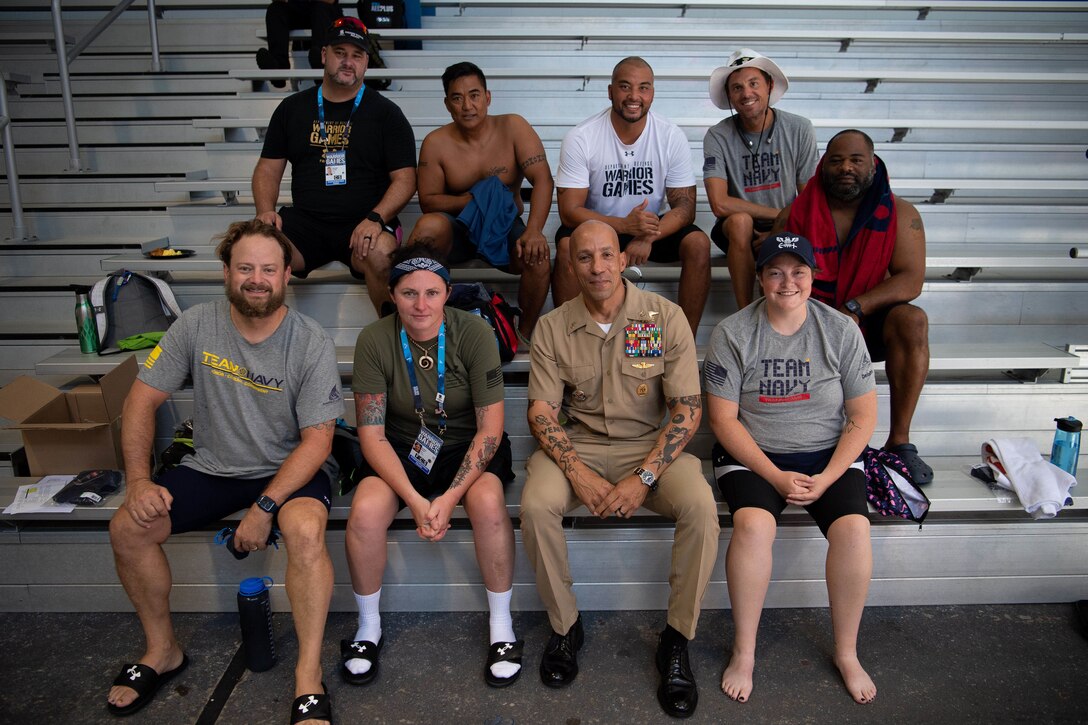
(612, 453)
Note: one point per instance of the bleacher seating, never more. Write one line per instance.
(979, 109)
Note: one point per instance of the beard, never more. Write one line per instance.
(847, 190)
(250, 309)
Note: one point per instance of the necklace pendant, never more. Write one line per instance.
(426, 362)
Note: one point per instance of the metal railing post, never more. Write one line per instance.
(74, 163)
(18, 228)
(153, 29)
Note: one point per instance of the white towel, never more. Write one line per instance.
(1041, 486)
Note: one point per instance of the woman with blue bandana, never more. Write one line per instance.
(429, 402)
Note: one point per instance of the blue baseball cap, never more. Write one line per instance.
(785, 243)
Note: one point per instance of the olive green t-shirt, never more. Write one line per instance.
(473, 375)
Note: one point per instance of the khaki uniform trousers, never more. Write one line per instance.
(683, 495)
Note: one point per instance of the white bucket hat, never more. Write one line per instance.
(746, 58)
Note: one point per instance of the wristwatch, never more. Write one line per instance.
(266, 504)
(647, 478)
(854, 308)
(374, 216)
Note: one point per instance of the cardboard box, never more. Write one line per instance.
(69, 432)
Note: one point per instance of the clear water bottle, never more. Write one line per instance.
(255, 615)
(85, 322)
(1066, 448)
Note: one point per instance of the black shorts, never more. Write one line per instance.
(446, 466)
(666, 249)
(321, 241)
(717, 235)
(741, 487)
(463, 250)
(201, 498)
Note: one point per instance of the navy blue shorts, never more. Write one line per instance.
(666, 249)
(741, 487)
(201, 498)
(445, 467)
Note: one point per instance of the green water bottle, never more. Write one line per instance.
(85, 322)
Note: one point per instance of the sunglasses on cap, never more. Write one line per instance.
(349, 22)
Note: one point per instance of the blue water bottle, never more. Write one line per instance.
(1066, 448)
(255, 615)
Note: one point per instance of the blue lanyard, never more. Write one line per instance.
(440, 396)
(321, 116)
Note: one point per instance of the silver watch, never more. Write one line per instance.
(647, 477)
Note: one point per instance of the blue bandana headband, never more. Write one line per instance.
(416, 264)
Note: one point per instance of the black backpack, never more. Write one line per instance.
(129, 303)
(502, 316)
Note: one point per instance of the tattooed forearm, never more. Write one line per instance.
(531, 161)
(680, 429)
(370, 409)
(553, 439)
(682, 200)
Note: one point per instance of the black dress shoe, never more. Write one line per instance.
(559, 665)
(678, 693)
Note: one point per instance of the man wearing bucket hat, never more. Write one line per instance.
(353, 167)
(754, 162)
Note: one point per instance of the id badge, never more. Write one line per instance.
(336, 168)
(425, 450)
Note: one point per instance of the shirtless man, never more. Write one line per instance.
(456, 160)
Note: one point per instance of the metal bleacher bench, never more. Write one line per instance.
(997, 356)
(871, 78)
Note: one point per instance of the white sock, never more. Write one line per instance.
(370, 627)
(502, 628)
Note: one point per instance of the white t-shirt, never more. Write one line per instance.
(619, 176)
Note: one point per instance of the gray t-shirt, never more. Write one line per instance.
(790, 388)
(786, 159)
(249, 401)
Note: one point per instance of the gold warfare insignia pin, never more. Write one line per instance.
(642, 365)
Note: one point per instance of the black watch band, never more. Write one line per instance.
(374, 216)
(266, 504)
(854, 308)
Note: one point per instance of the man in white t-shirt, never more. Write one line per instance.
(620, 166)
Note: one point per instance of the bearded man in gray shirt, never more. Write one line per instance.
(754, 163)
(266, 396)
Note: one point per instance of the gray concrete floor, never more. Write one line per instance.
(962, 664)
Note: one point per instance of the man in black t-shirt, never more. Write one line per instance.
(353, 157)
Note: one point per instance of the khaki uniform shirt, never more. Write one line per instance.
(611, 391)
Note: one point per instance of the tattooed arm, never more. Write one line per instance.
(587, 484)
(532, 247)
(681, 210)
(378, 451)
(907, 268)
(489, 422)
(684, 416)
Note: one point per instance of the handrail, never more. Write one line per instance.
(66, 56)
(18, 227)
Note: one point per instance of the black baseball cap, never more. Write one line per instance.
(348, 30)
(782, 243)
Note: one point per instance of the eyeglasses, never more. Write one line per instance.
(741, 61)
(349, 22)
